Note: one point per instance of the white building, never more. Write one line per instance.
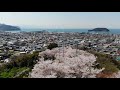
(117, 41)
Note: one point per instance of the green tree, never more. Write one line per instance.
(52, 45)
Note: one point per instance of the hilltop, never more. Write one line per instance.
(53, 64)
(4, 27)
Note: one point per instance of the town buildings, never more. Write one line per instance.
(27, 42)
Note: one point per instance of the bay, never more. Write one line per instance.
(112, 31)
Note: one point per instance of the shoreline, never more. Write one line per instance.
(112, 31)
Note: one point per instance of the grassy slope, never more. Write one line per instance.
(10, 73)
(18, 65)
(106, 61)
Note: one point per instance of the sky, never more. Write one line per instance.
(62, 19)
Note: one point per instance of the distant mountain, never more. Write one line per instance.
(99, 30)
(4, 27)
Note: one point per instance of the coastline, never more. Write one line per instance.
(112, 31)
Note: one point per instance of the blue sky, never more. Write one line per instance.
(62, 19)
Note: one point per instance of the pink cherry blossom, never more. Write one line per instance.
(69, 65)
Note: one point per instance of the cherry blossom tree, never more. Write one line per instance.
(72, 65)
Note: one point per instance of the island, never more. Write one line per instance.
(99, 30)
(4, 27)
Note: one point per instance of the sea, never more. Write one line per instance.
(112, 31)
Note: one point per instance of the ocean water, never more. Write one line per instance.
(113, 31)
(56, 30)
